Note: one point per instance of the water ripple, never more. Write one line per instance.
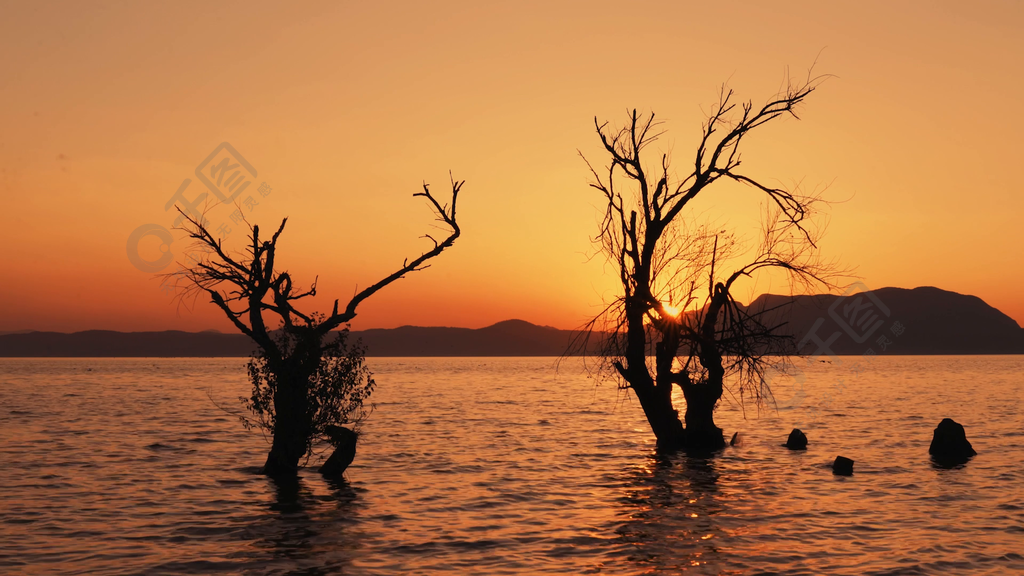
(505, 466)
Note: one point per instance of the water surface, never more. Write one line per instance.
(505, 466)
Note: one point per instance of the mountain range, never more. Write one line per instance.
(922, 320)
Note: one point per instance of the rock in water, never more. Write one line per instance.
(842, 466)
(344, 441)
(949, 443)
(797, 440)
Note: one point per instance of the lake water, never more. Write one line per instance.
(505, 466)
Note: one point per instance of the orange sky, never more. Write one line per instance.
(344, 110)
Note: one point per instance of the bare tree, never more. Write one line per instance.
(305, 380)
(676, 322)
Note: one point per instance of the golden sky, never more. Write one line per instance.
(343, 109)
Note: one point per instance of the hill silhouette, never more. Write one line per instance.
(507, 338)
(108, 343)
(923, 320)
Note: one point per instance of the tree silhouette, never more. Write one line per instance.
(660, 331)
(307, 381)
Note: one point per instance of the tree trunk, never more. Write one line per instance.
(291, 429)
(664, 420)
(285, 453)
(702, 435)
(344, 441)
(655, 397)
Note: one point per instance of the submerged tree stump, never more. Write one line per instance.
(737, 440)
(797, 440)
(344, 442)
(949, 444)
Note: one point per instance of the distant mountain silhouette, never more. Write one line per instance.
(930, 321)
(107, 343)
(922, 320)
(508, 338)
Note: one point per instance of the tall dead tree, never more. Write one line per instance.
(676, 322)
(303, 374)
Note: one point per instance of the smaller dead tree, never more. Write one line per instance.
(307, 381)
(660, 331)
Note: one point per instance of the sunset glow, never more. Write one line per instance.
(344, 110)
(671, 310)
(469, 288)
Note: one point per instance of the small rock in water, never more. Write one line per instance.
(797, 440)
(736, 440)
(949, 443)
(842, 466)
